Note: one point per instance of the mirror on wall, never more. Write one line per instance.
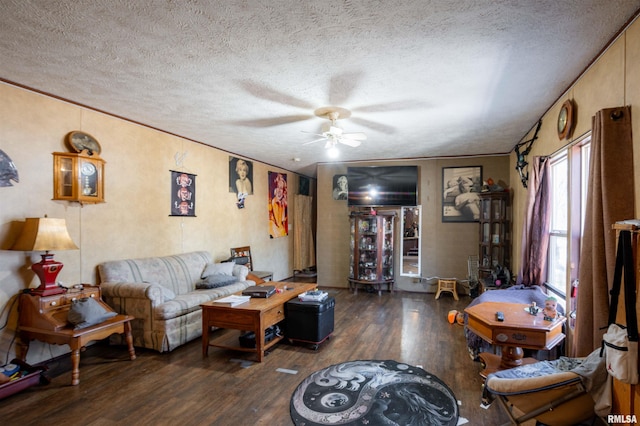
(410, 265)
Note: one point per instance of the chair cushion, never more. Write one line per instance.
(86, 312)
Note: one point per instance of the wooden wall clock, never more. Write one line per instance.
(78, 177)
(565, 120)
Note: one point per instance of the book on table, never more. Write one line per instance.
(233, 300)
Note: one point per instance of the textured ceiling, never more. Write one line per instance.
(421, 78)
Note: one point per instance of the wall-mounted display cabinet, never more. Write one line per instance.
(495, 234)
(371, 258)
(78, 177)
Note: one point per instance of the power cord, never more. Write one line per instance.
(7, 310)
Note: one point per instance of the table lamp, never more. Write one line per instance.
(45, 234)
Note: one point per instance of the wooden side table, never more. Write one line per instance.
(44, 318)
(518, 330)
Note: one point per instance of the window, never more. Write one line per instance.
(558, 255)
(569, 183)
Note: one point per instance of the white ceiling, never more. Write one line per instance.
(421, 78)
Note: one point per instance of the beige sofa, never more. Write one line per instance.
(161, 293)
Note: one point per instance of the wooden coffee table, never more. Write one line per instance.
(518, 330)
(256, 315)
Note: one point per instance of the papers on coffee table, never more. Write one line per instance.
(233, 300)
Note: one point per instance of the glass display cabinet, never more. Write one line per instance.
(371, 258)
(495, 237)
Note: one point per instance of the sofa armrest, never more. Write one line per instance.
(240, 272)
(150, 291)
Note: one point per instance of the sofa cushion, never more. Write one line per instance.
(215, 281)
(225, 268)
(185, 303)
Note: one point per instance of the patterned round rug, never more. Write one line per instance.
(373, 393)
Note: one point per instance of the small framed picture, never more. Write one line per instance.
(303, 185)
(340, 187)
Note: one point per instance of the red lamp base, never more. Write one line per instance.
(47, 270)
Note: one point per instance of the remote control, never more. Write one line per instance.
(499, 316)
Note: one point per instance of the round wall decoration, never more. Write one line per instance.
(80, 141)
(565, 120)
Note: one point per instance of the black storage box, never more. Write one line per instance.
(248, 339)
(310, 322)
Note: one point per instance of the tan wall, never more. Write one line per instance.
(612, 81)
(134, 221)
(445, 247)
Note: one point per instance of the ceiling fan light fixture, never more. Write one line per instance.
(333, 152)
(334, 134)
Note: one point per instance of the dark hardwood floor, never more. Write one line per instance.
(182, 387)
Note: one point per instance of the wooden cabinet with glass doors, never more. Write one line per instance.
(495, 237)
(371, 258)
(78, 177)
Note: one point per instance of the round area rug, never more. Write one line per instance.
(373, 393)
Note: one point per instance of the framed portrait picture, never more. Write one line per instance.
(303, 185)
(240, 176)
(460, 189)
(340, 187)
(183, 194)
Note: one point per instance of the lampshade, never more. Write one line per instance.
(44, 234)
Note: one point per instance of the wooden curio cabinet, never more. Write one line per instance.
(495, 234)
(371, 258)
(78, 177)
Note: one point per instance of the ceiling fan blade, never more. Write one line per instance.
(263, 92)
(355, 136)
(273, 121)
(349, 142)
(337, 131)
(314, 141)
(342, 85)
(392, 106)
(382, 128)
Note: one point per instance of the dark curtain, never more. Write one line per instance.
(610, 198)
(535, 229)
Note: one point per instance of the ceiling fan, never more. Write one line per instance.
(334, 134)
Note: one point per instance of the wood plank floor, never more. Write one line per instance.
(182, 387)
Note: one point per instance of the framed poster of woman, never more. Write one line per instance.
(240, 176)
(460, 189)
